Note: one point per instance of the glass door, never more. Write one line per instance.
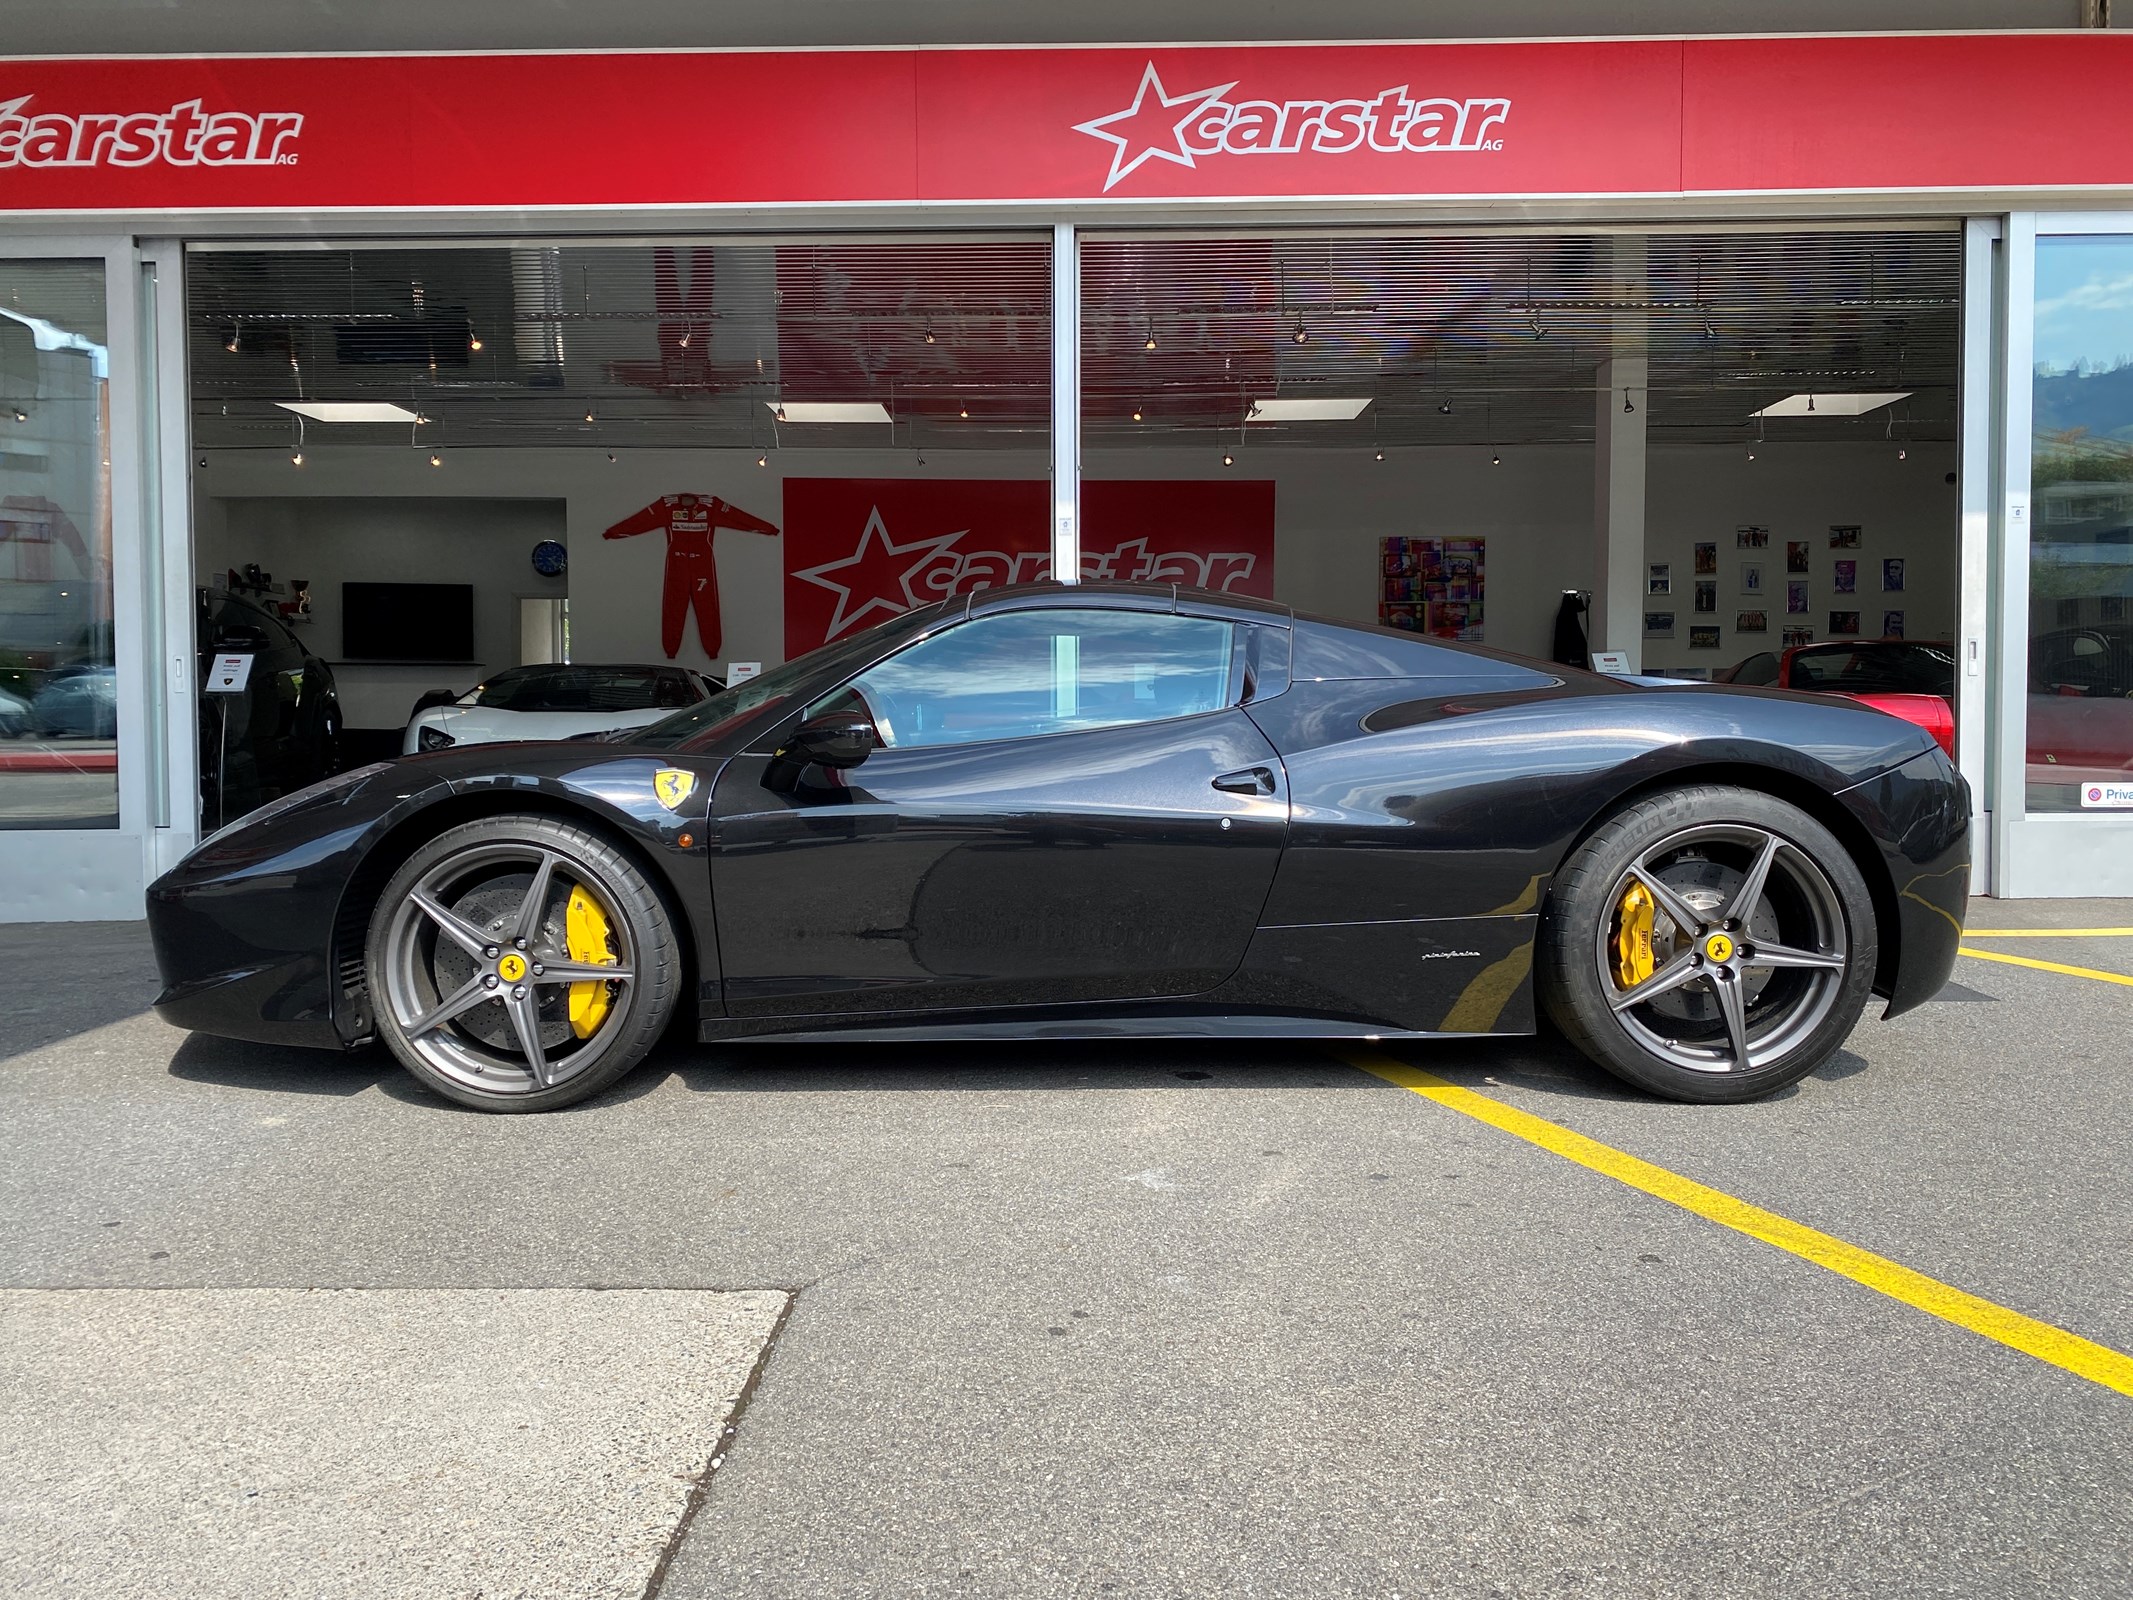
(2063, 821)
(75, 765)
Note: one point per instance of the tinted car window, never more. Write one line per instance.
(618, 690)
(1756, 671)
(1876, 669)
(1021, 673)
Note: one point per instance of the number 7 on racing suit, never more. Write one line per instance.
(692, 569)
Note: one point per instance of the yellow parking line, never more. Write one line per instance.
(2048, 933)
(2068, 1351)
(2046, 966)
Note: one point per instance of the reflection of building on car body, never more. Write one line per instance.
(556, 702)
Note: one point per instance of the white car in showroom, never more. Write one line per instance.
(561, 701)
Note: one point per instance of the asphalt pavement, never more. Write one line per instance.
(1172, 1320)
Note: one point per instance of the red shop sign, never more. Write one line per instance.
(888, 127)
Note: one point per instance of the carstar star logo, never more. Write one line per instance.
(882, 576)
(1180, 128)
(183, 136)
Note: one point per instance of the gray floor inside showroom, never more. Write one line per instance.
(1162, 1321)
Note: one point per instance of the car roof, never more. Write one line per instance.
(1111, 593)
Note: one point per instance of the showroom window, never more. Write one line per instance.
(58, 677)
(1024, 673)
(2080, 702)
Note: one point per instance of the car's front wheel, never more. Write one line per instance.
(521, 963)
(1709, 943)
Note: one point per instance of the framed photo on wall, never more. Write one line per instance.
(1796, 556)
(1750, 537)
(1707, 594)
(1844, 622)
(1658, 624)
(1751, 622)
(1892, 624)
(1844, 536)
(1892, 575)
(1703, 638)
(1795, 637)
(1659, 578)
(1751, 577)
(1707, 559)
(1847, 577)
(1796, 597)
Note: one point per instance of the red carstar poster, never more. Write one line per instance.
(861, 550)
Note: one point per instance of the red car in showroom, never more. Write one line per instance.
(2080, 692)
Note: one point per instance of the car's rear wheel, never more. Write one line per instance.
(520, 963)
(1709, 944)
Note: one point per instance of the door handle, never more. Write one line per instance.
(1252, 780)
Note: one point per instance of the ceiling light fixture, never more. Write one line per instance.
(1495, 460)
(1539, 332)
(588, 413)
(1302, 335)
(21, 415)
(1445, 408)
(611, 455)
(929, 333)
(296, 458)
(762, 458)
(1317, 409)
(235, 341)
(436, 458)
(1832, 405)
(964, 412)
(1149, 342)
(1228, 460)
(1627, 408)
(349, 410)
(1136, 413)
(1381, 455)
(685, 339)
(473, 340)
(829, 410)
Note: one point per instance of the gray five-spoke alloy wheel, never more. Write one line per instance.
(520, 963)
(1710, 943)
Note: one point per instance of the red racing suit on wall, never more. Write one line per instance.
(692, 569)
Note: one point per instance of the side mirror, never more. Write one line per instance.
(834, 739)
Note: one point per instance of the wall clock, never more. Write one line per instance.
(550, 558)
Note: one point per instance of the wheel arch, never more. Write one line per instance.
(386, 854)
(1795, 790)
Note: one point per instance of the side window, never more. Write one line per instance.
(1017, 674)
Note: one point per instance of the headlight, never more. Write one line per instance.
(289, 802)
(434, 739)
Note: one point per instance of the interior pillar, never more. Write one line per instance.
(1621, 404)
(1618, 574)
(1066, 405)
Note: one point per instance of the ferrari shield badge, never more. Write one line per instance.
(673, 786)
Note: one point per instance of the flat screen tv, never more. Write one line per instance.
(407, 621)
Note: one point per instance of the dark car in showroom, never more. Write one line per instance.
(1103, 811)
(281, 731)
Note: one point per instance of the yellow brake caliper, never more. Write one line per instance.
(1633, 937)
(586, 933)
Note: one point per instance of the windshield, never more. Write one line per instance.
(580, 690)
(828, 665)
